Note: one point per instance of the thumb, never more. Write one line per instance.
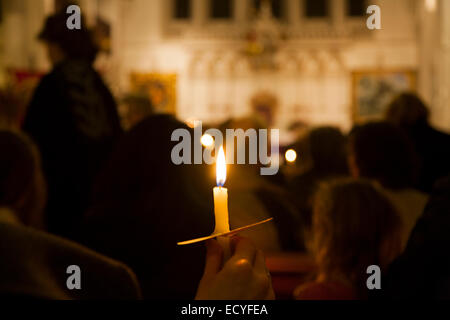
(214, 256)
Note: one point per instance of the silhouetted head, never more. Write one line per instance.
(327, 146)
(22, 186)
(381, 151)
(408, 111)
(324, 150)
(63, 43)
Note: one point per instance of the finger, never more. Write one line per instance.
(270, 294)
(233, 243)
(261, 269)
(214, 256)
(260, 263)
(245, 250)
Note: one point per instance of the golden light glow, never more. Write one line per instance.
(207, 141)
(192, 123)
(431, 5)
(291, 155)
(221, 168)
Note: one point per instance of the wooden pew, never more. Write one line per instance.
(288, 270)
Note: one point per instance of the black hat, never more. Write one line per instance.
(76, 43)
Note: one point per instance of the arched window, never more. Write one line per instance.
(356, 8)
(1, 11)
(278, 7)
(316, 8)
(221, 9)
(182, 9)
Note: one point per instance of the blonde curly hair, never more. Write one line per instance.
(354, 226)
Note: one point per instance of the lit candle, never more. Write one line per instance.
(222, 228)
(221, 195)
(221, 203)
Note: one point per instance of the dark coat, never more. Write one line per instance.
(74, 122)
(34, 265)
(433, 148)
(423, 270)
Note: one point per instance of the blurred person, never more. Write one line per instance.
(382, 152)
(73, 119)
(322, 153)
(254, 198)
(23, 188)
(34, 263)
(423, 269)
(354, 226)
(143, 204)
(264, 106)
(11, 109)
(409, 112)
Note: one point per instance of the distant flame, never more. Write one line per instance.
(207, 140)
(221, 168)
(291, 155)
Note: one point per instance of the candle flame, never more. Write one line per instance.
(207, 140)
(221, 168)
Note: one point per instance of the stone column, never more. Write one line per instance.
(337, 11)
(294, 12)
(14, 33)
(241, 10)
(199, 12)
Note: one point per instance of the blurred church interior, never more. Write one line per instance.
(214, 57)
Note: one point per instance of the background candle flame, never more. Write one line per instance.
(221, 168)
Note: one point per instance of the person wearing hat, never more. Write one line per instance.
(73, 119)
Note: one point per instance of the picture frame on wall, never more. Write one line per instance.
(373, 90)
(161, 88)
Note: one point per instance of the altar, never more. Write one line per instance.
(220, 54)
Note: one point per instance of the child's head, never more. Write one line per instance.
(382, 151)
(354, 226)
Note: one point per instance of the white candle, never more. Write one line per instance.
(221, 195)
(221, 203)
(221, 210)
